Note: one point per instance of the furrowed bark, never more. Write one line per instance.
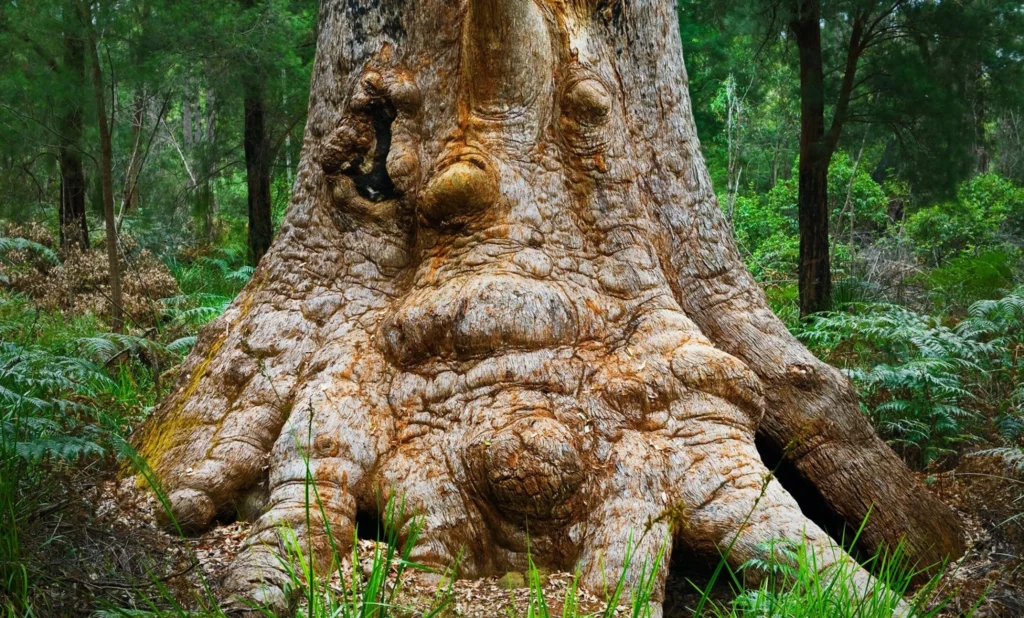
(812, 414)
(504, 291)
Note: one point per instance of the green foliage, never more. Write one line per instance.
(965, 279)
(937, 84)
(209, 284)
(987, 210)
(25, 245)
(222, 274)
(931, 388)
(766, 226)
(69, 391)
(1000, 324)
(793, 584)
(180, 69)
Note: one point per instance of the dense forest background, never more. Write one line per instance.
(162, 137)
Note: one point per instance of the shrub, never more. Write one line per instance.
(966, 279)
(928, 387)
(77, 281)
(987, 210)
(766, 226)
(948, 230)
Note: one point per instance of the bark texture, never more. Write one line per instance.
(74, 226)
(504, 290)
(106, 165)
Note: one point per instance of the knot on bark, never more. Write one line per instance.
(464, 185)
(529, 469)
(586, 113)
(802, 375)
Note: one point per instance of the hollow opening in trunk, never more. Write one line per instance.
(369, 525)
(810, 499)
(689, 577)
(376, 185)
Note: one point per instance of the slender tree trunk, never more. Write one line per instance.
(74, 226)
(257, 167)
(815, 271)
(210, 153)
(106, 170)
(131, 190)
(289, 174)
(975, 89)
(186, 116)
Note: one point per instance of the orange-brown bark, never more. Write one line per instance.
(504, 291)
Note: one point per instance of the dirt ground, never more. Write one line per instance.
(95, 546)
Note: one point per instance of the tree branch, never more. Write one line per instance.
(853, 54)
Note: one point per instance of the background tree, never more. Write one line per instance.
(906, 66)
(257, 149)
(43, 73)
(106, 164)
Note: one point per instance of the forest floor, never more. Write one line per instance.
(96, 550)
(86, 539)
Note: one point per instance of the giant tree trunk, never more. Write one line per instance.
(505, 291)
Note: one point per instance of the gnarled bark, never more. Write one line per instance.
(504, 291)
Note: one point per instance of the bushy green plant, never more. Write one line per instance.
(766, 225)
(208, 285)
(929, 387)
(999, 198)
(69, 390)
(1000, 324)
(987, 210)
(908, 368)
(963, 280)
(947, 230)
(224, 273)
(793, 584)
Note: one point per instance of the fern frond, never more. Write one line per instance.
(183, 345)
(8, 245)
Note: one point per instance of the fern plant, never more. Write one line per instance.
(24, 245)
(1000, 323)
(222, 274)
(927, 386)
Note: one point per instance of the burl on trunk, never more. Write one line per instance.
(504, 290)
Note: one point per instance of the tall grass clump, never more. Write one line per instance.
(792, 584)
(14, 580)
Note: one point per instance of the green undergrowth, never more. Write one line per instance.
(931, 386)
(71, 391)
(792, 583)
